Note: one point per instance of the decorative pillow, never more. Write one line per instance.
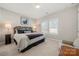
(27, 31)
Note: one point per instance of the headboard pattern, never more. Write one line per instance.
(22, 29)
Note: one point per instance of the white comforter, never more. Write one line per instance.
(23, 41)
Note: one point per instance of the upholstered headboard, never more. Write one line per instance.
(22, 29)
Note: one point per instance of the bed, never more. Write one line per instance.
(25, 38)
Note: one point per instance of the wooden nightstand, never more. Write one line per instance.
(7, 38)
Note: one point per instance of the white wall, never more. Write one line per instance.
(67, 23)
(78, 21)
(9, 17)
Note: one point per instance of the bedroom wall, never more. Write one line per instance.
(78, 21)
(67, 27)
(68, 24)
(9, 17)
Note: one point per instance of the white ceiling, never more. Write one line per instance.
(28, 9)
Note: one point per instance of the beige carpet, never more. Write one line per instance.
(49, 48)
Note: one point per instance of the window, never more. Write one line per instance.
(50, 26)
(53, 26)
(44, 26)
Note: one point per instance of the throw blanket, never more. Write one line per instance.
(22, 41)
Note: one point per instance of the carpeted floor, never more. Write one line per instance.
(49, 48)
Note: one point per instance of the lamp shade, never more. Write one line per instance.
(8, 25)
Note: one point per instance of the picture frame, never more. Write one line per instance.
(23, 20)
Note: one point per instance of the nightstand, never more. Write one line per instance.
(8, 39)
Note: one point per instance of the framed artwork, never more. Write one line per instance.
(23, 20)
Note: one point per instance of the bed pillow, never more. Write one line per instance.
(27, 31)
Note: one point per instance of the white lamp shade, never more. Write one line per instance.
(8, 25)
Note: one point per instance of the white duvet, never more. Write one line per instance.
(23, 41)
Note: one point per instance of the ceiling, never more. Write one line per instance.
(28, 9)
